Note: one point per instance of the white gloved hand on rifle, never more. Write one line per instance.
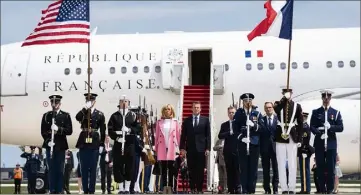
(299, 145)
(327, 125)
(250, 123)
(120, 140)
(246, 140)
(54, 127)
(146, 147)
(323, 136)
(125, 129)
(287, 95)
(88, 105)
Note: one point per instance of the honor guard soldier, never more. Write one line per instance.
(326, 119)
(32, 167)
(90, 141)
(304, 154)
(55, 126)
(248, 123)
(288, 138)
(123, 128)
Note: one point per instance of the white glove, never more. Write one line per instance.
(299, 145)
(54, 127)
(231, 133)
(304, 155)
(88, 105)
(323, 136)
(245, 140)
(125, 129)
(250, 123)
(36, 150)
(101, 148)
(144, 150)
(327, 125)
(288, 95)
(120, 140)
(153, 148)
(152, 152)
(146, 147)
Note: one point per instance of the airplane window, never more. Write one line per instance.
(90, 71)
(157, 69)
(226, 67)
(283, 65)
(271, 66)
(306, 65)
(78, 71)
(328, 64)
(67, 71)
(340, 64)
(146, 69)
(248, 66)
(352, 63)
(260, 66)
(112, 70)
(135, 69)
(124, 70)
(294, 65)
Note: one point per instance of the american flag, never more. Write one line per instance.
(64, 21)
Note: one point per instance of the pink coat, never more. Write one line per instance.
(173, 140)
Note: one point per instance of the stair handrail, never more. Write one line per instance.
(211, 121)
(184, 76)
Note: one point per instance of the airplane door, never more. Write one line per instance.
(172, 59)
(13, 77)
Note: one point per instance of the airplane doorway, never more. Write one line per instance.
(200, 67)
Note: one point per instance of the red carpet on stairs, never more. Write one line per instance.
(194, 93)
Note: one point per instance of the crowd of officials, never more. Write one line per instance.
(280, 137)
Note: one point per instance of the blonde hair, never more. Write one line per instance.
(172, 114)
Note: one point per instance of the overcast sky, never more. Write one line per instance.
(18, 19)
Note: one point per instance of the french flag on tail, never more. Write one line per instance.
(278, 21)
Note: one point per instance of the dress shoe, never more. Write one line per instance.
(291, 192)
(285, 192)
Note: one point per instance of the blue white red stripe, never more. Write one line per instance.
(64, 21)
(278, 21)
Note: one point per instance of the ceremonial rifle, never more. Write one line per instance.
(124, 126)
(148, 157)
(248, 140)
(51, 143)
(326, 117)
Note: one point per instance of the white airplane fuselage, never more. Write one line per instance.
(31, 74)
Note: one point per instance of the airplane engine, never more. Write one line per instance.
(348, 140)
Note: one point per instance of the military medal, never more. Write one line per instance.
(304, 134)
(332, 117)
(88, 140)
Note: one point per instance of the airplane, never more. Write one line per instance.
(160, 65)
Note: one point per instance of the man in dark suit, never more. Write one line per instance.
(268, 149)
(196, 141)
(69, 165)
(106, 165)
(230, 153)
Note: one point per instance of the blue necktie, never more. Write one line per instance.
(269, 122)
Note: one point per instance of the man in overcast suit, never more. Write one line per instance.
(196, 142)
(268, 149)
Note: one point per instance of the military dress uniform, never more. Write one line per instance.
(123, 166)
(304, 154)
(248, 162)
(62, 128)
(89, 143)
(286, 146)
(32, 167)
(326, 160)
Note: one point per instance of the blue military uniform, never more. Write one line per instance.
(304, 154)
(62, 128)
(32, 167)
(326, 158)
(248, 162)
(89, 143)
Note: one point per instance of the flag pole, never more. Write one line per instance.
(89, 110)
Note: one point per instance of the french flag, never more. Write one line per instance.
(278, 21)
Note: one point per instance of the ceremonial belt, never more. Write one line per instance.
(321, 128)
(86, 129)
(290, 125)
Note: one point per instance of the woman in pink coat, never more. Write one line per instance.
(167, 138)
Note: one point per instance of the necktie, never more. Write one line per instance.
(269, 121)
(195, 121)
